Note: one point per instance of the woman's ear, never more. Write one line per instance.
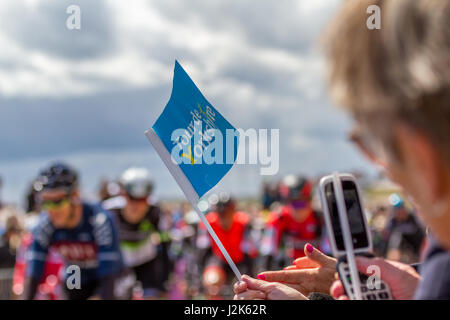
(423, 163)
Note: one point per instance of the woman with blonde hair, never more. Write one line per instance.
(395, 82)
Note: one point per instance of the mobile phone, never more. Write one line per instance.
(360, 234)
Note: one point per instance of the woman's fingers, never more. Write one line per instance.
(250, 295)
(337, 289)
(255, 284)
(317, 256)
(243, 292)
(305, 263)
(276, 276)
(290, 268)
(239, 287)
(289, 275)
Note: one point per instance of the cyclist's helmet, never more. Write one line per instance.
(57, 176)
(295, 187)
(137, 182)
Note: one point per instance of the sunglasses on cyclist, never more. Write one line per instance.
(299, 204)
(135, 199)
(55, 204)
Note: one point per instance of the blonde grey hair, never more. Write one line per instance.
(402, 69)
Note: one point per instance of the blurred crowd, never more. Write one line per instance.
(165, 249)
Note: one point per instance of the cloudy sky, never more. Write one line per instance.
(88, 95)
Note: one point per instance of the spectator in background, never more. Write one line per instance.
(1, 185)
(108, 189)
(270, 195)
(377, 224)
(32, 203)
(9, 240)
(403, 232)
(10, 233)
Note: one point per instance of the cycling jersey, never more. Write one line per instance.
(50, 284)
(93, 246)
(236, 239)
(136, 238)
(283, 231)
(140, 251)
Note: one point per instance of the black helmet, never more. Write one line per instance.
(57, 176)
(295, 187)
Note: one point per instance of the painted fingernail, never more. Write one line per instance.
(261, 277)
(309, 248)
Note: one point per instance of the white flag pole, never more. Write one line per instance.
(218, 242)
(346, 233)
(189, 192)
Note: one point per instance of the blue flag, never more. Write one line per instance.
(197, 144)
(193, 140)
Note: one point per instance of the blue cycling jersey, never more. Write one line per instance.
(93, 245)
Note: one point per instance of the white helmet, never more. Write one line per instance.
(137, 182)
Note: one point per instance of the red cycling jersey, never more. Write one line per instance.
(232, 239)
(293, 233)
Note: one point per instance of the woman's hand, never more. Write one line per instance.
(242, 292)
(254, 289)
(312, 273)
(401, 278)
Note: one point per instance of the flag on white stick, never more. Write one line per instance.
(189, 136)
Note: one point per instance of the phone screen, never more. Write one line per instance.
(354, 212)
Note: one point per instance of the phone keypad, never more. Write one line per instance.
(383, 293)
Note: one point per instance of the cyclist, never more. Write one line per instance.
(404, 234)
(83, 234)
(1, 184)
(108, 189)
(233, 229)
(143, 237)
(295, 225)
(186, 278)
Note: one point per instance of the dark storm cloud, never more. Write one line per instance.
(45, 127)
